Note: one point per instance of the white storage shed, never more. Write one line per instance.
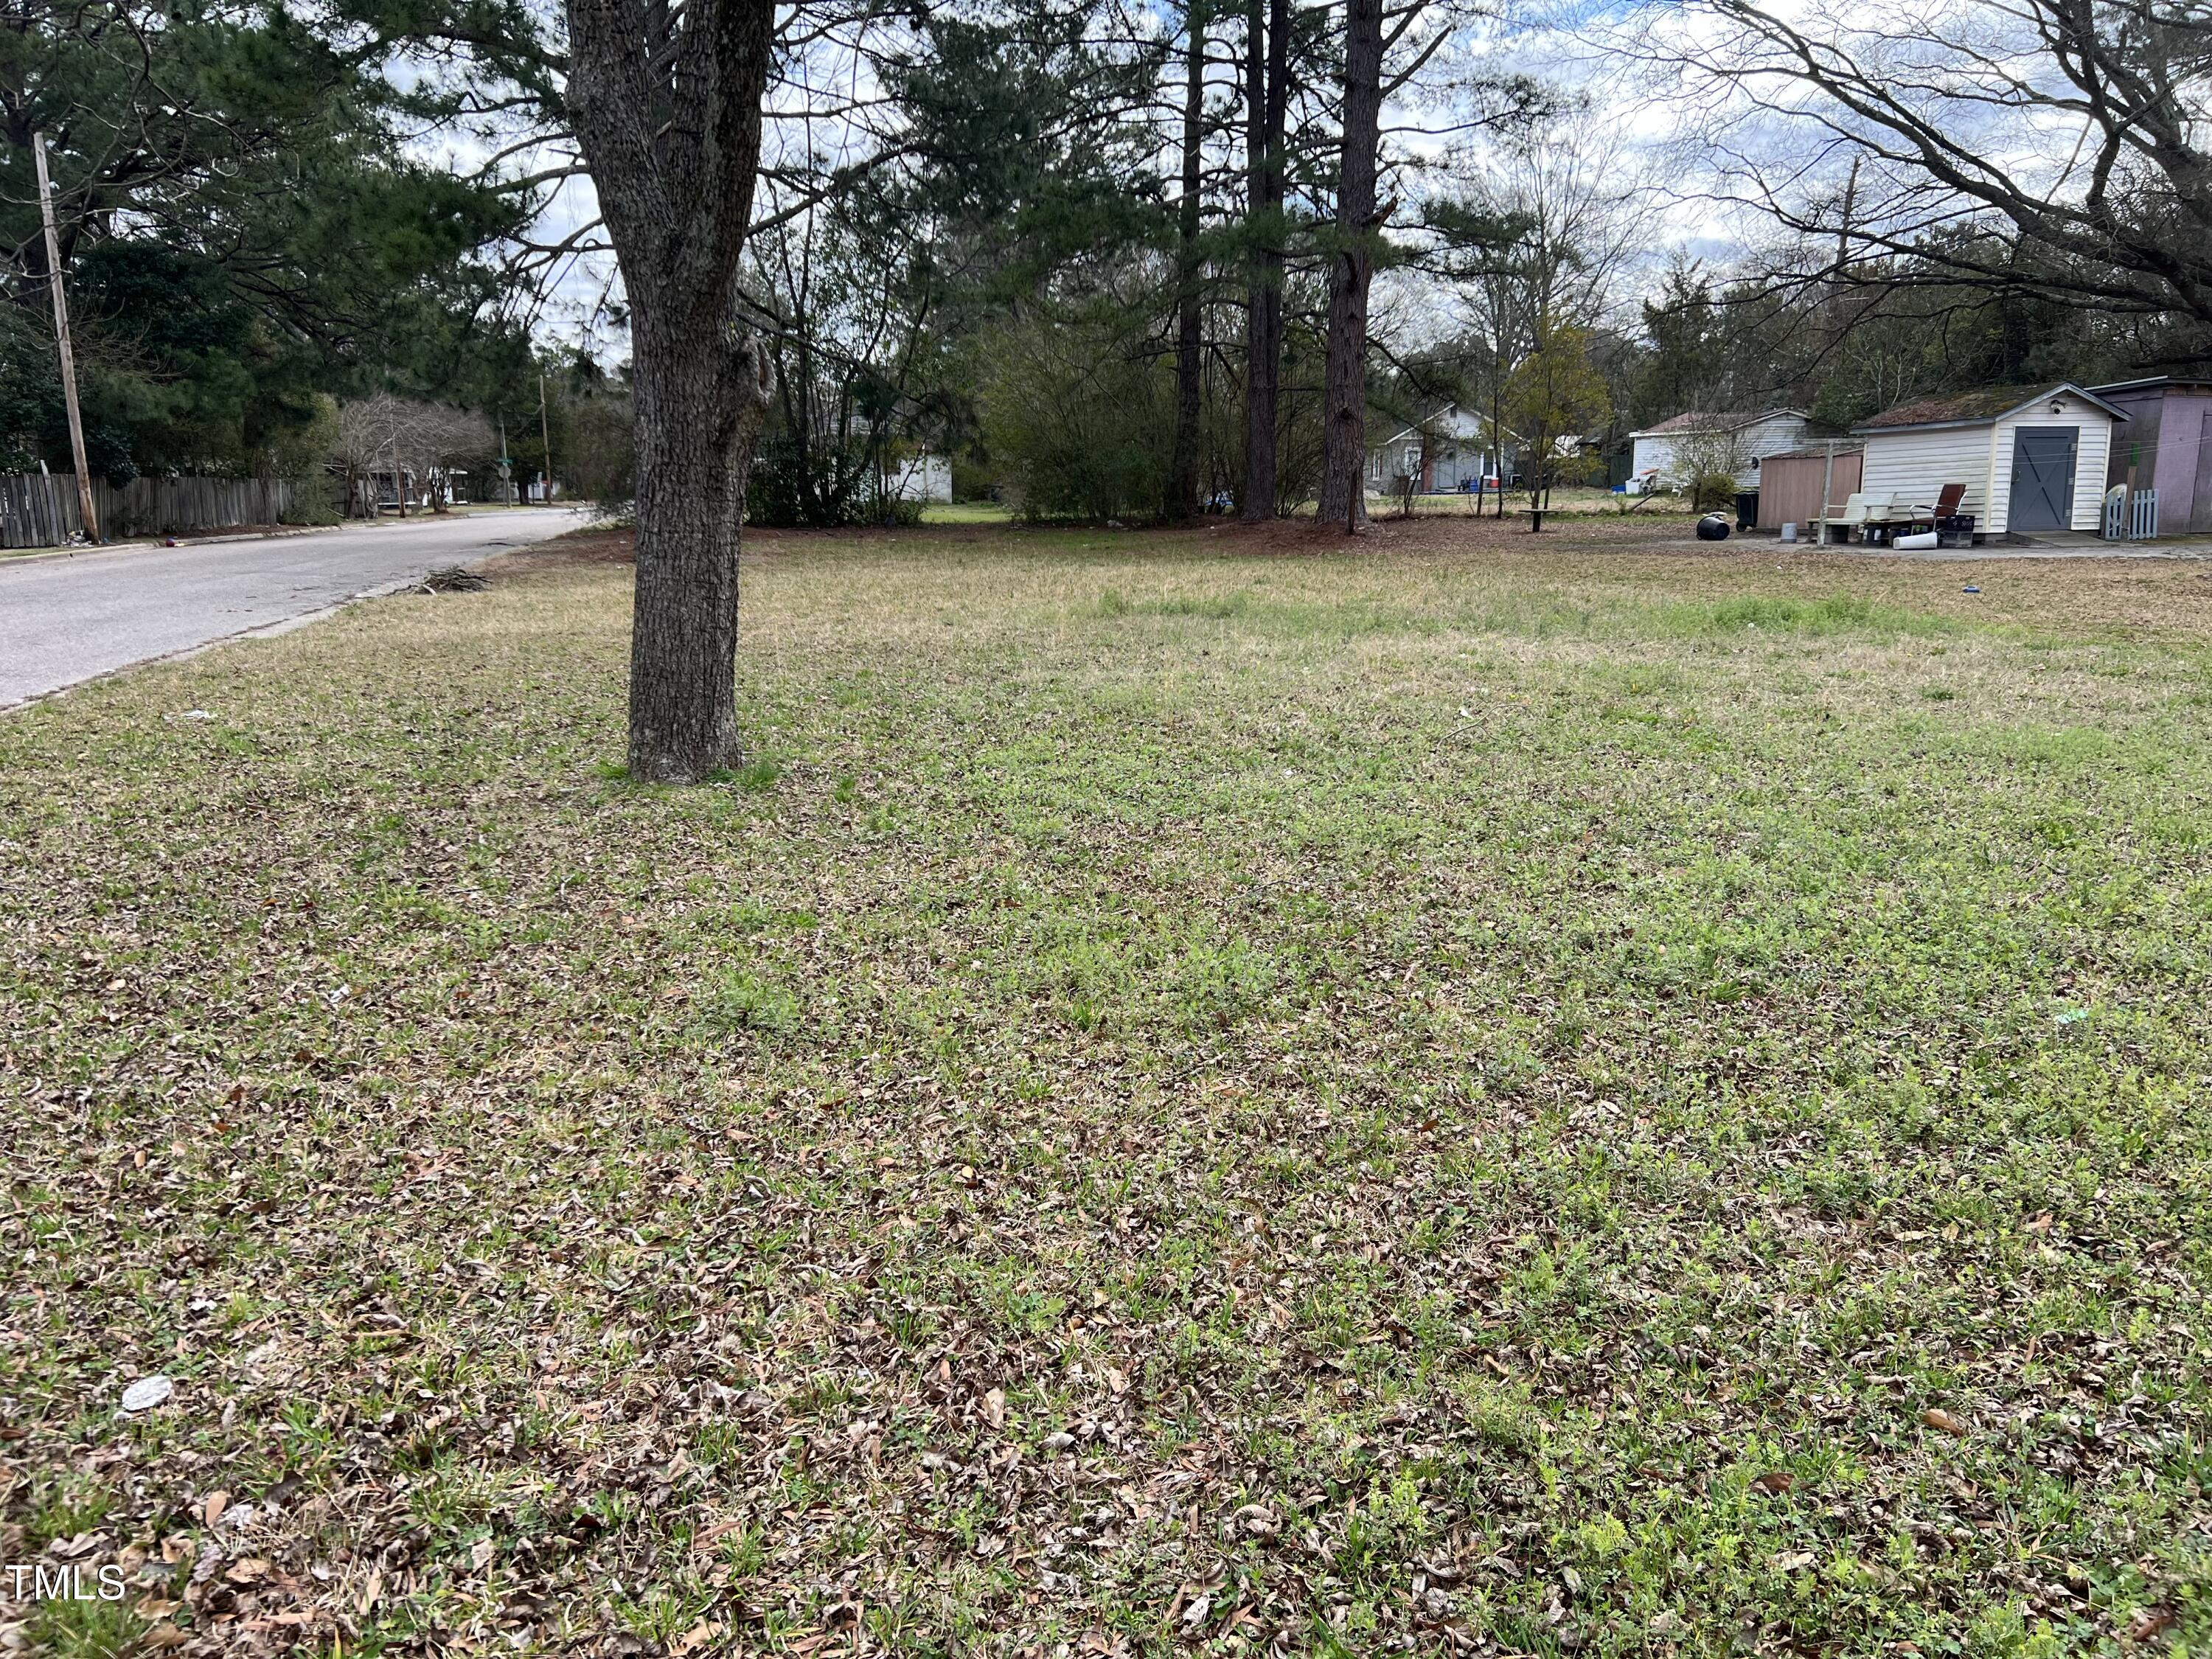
(2031, 457)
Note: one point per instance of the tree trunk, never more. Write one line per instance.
(1265, 99)
(695, 444)
(1182, 474)
(1344, 406)
(667, 105)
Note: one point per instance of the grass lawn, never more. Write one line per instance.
(1198, 1094)
(1567, 498)
(967, 512)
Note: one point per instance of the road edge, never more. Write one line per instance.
(263, 631)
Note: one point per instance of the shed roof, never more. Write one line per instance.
(1977, 408)
(2157, 383)
(1820, 454)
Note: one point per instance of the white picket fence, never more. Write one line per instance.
(2130, 518)
(39, 509)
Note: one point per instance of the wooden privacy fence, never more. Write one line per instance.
(39, 510)
(1790, 486)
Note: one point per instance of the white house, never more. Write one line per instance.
(1672, 453)
(1444, 452)
(2031, 457)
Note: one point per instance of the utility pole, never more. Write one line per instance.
(545, 432)
(90, 519)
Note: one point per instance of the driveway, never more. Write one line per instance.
(64, 620)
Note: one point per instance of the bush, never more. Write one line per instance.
(972, 481)
(820, 490)
(1712, 492)
(1080, 425)
(314, 500)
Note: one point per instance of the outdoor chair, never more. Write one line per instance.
(1852, 515)
(1906, 519)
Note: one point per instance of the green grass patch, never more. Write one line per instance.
(1504, 1094)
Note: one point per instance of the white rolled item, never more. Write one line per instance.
(1913, 544)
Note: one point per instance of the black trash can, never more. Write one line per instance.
(1746, 509)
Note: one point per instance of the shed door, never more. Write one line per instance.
(2043, 477)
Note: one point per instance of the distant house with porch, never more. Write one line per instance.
(2030, 457)
(1452, 448)
(1670, 454)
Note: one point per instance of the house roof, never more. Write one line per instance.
(1979, 408)
(1696, 421)
(1440, 411)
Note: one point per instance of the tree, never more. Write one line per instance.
(844, 295)
(241, 222)
(1928, 120)
(412, 441)
(1266, 97)
(1078, 417)
(1548, 224)
(1352, 272)
(1554, 398)
(1182, 471)
(1687, 356)
(666, 103)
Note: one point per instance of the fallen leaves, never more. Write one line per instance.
(1384, 1190)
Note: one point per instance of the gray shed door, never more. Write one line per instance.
(2043, 477)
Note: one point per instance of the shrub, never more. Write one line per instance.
(820, 488)
(1712, 492)
(1080, 423)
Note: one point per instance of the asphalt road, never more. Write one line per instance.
(64, 620)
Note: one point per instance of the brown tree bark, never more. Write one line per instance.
(1267, 72)
(1344, 405)
(1182, 473)
(667, 105)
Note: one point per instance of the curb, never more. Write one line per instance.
(137, 545)
(262, 631)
